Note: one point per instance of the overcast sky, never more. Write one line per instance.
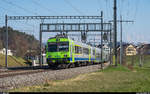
(137, 10)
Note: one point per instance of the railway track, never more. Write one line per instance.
(18, 78)
(14, 73)
(21, 71)
(9, 73)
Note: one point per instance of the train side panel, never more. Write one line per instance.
(81, 52)
(75, 52)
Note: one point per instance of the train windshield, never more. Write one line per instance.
(58, 47)
(63, 46)
(52, 47)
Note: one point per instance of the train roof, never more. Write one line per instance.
(76, 42)
(83, 44)
(59, 36)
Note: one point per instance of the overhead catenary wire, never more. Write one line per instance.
(133, 13)
(120, 7)
(6, 9)
(129, 27)
(107, 13)
(12, 11)
(99, 4)
(76, 9)
(44, 7)
(28, 11)
(136, 8)
(128, 8)
(20, 7)
(110, 8)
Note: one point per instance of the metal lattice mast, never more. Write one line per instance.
(115, 31)
(7, 18)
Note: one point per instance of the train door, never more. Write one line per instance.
(89, 54)
(72, 52)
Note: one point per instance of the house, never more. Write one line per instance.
(130, 50)
(9, 52)
(144, 49)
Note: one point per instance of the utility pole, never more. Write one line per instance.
(121, 40)
(6, 45)
(115, 31)
(40, 36)
(110, 48)
(121, 47)
(121, 21)
(102, 39)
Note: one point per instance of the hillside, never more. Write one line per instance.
(19, 42)
(13, 61)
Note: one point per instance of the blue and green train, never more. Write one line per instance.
(65, 52)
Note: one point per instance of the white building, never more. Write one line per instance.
(3, 51)
(106, 48)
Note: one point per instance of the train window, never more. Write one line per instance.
(78, 50)
(85, 50)
(98, 55)
(63, 46)
(94, 52)
(52, 47)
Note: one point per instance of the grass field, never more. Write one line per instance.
(12, 61)
(112, 79)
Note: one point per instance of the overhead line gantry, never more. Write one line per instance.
(97, 27)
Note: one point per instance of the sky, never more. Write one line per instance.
(136, 10)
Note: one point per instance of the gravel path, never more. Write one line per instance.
(39, 78)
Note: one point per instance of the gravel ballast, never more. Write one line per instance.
(40, 78)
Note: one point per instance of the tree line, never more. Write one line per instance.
(19, 42)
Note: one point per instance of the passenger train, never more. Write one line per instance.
(61, 51)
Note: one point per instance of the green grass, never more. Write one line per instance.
(112, 79)
(12, 61)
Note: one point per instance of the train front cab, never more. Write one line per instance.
(58, 51)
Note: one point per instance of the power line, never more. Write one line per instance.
(136, 8)
(134, 13)
(9, 10)
(110, 9)
(77, 10)
(12, 12)
(98, 2)
(107, 13)
(108, 5)
(128, 8)
(20, 7)
(49, 10)
(120, 6)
